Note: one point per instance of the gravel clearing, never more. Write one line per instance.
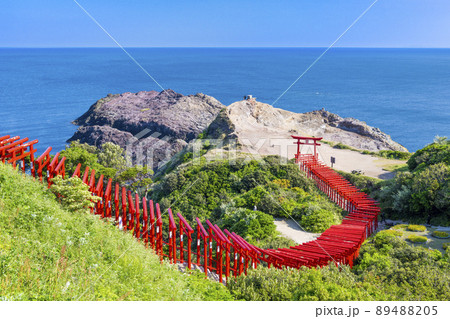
(290, 229)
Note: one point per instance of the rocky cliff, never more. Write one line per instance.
(151, 125)
(249, 120)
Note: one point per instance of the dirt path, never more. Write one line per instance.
(289, 229)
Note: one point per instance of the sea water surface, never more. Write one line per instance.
(404, 92)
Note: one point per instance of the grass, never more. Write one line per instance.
(389, 154)
(403, 167)
(47, 253)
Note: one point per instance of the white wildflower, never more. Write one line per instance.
(65, 287)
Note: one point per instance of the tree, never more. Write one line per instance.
(438, 152)
(112, 156)
(422, 194)
(79, 153)
(136, 177)
(442, 140)
(426, 190)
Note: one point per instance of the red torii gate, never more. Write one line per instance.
(302, 140)
(20, 152)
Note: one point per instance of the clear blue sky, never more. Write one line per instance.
(224, 23)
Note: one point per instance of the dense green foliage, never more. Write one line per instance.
(254, 224)
(324, 284)
(388, 269)
(406, 272)
(49, 253)
(422, 194)
(109, 160)
(437, 152)
(246, 195)
(88, 155)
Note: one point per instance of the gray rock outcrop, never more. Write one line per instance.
(152, 126)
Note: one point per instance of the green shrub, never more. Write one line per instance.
(187, 157)
(440, 234)
(394, 154)
(275, 242)
(438, 152)
(417, 239)
(343, 146)
(445, 246)
(319, 220)
(252, 225)
(73, 194)
(112, 156)
(136, 177)
(417, 228)
(400, 226)
(283, 183)
(393, 232)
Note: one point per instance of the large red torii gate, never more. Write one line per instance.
(302, 140)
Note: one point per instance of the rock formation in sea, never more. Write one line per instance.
(151, 126)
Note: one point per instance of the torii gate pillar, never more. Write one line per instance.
(301, 140)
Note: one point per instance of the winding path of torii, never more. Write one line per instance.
(215, 250)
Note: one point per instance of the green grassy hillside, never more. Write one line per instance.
(48, 253)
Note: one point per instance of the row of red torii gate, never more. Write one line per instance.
(210, 248)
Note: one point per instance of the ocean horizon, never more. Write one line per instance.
(405, 92)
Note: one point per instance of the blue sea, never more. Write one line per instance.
(404, 92)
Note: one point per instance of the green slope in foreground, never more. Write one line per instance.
(47, 253)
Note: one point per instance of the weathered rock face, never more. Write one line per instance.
(252, 120)
(151, 125)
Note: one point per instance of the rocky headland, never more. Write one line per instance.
(152, 126)
(160, 124)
